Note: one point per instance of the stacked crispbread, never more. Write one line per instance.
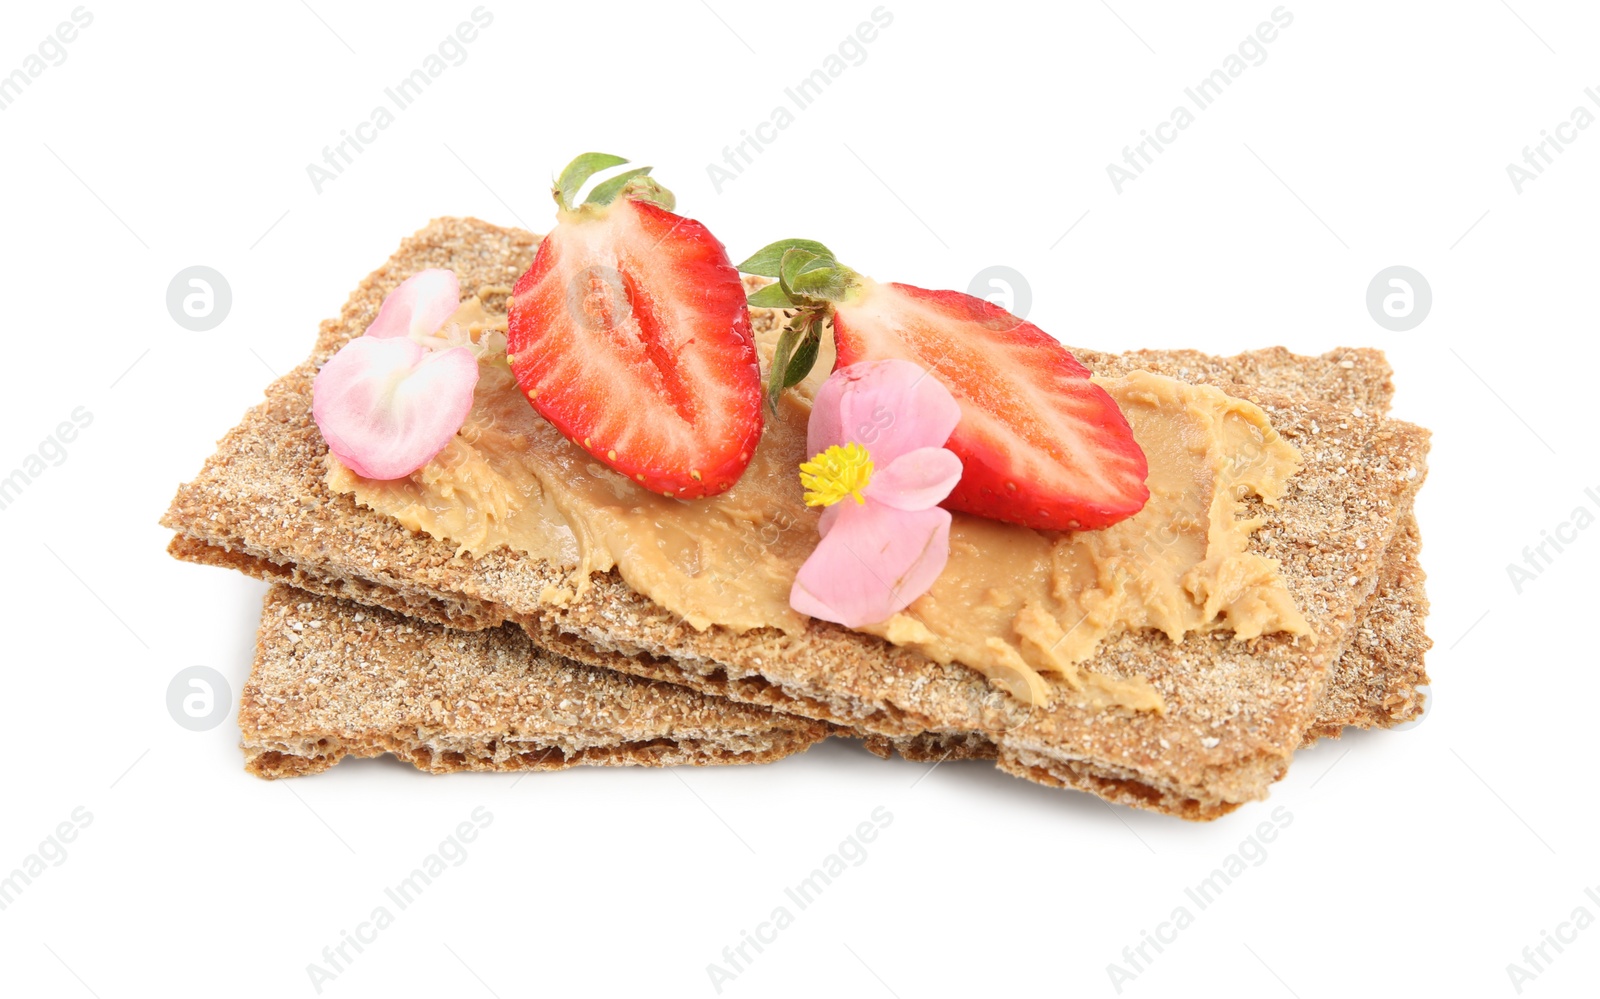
(334, 679)
(1236, 711)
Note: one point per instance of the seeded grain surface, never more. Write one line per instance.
(333, 679)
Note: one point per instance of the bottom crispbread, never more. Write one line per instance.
(333, 679)
(1376, 683)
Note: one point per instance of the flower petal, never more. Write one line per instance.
(829, 515)
(825, 429)
(873, 562)
(386, 406)
(916, 480)
(420, 305)
(889, 407)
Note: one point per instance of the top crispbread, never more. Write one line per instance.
(1235, 710)
(1355, 378)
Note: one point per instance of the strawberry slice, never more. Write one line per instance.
(630, 334)
(1040, 444)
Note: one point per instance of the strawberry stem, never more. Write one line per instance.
(795, 354)
(810, 280)
(635, 184)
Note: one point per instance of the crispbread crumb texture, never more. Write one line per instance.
(332, 679)
(1376, 683)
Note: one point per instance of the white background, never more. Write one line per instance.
(972, 135)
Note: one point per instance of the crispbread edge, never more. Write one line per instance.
(333, 679)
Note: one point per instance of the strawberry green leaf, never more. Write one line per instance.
(606, 191)
(817, 264)
(795, 356)
(809, 279)
(777, 375)
(805, 355)
(649, 189)
(792, 264)
(826, 282)
(766, 260)
(771, 297)
(580, 170)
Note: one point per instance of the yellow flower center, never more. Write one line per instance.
(836, 473)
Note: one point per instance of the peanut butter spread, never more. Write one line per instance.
(1012, 603)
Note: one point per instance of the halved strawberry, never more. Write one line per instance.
(630, 334)
(1040, 444)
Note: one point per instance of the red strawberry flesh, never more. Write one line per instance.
(630, 334)
(1040, 444)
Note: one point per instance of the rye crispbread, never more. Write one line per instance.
(1236, 710)
(333, 679)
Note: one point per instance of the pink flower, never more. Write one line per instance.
(390, 400)
(877, 432)
(419, 306)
